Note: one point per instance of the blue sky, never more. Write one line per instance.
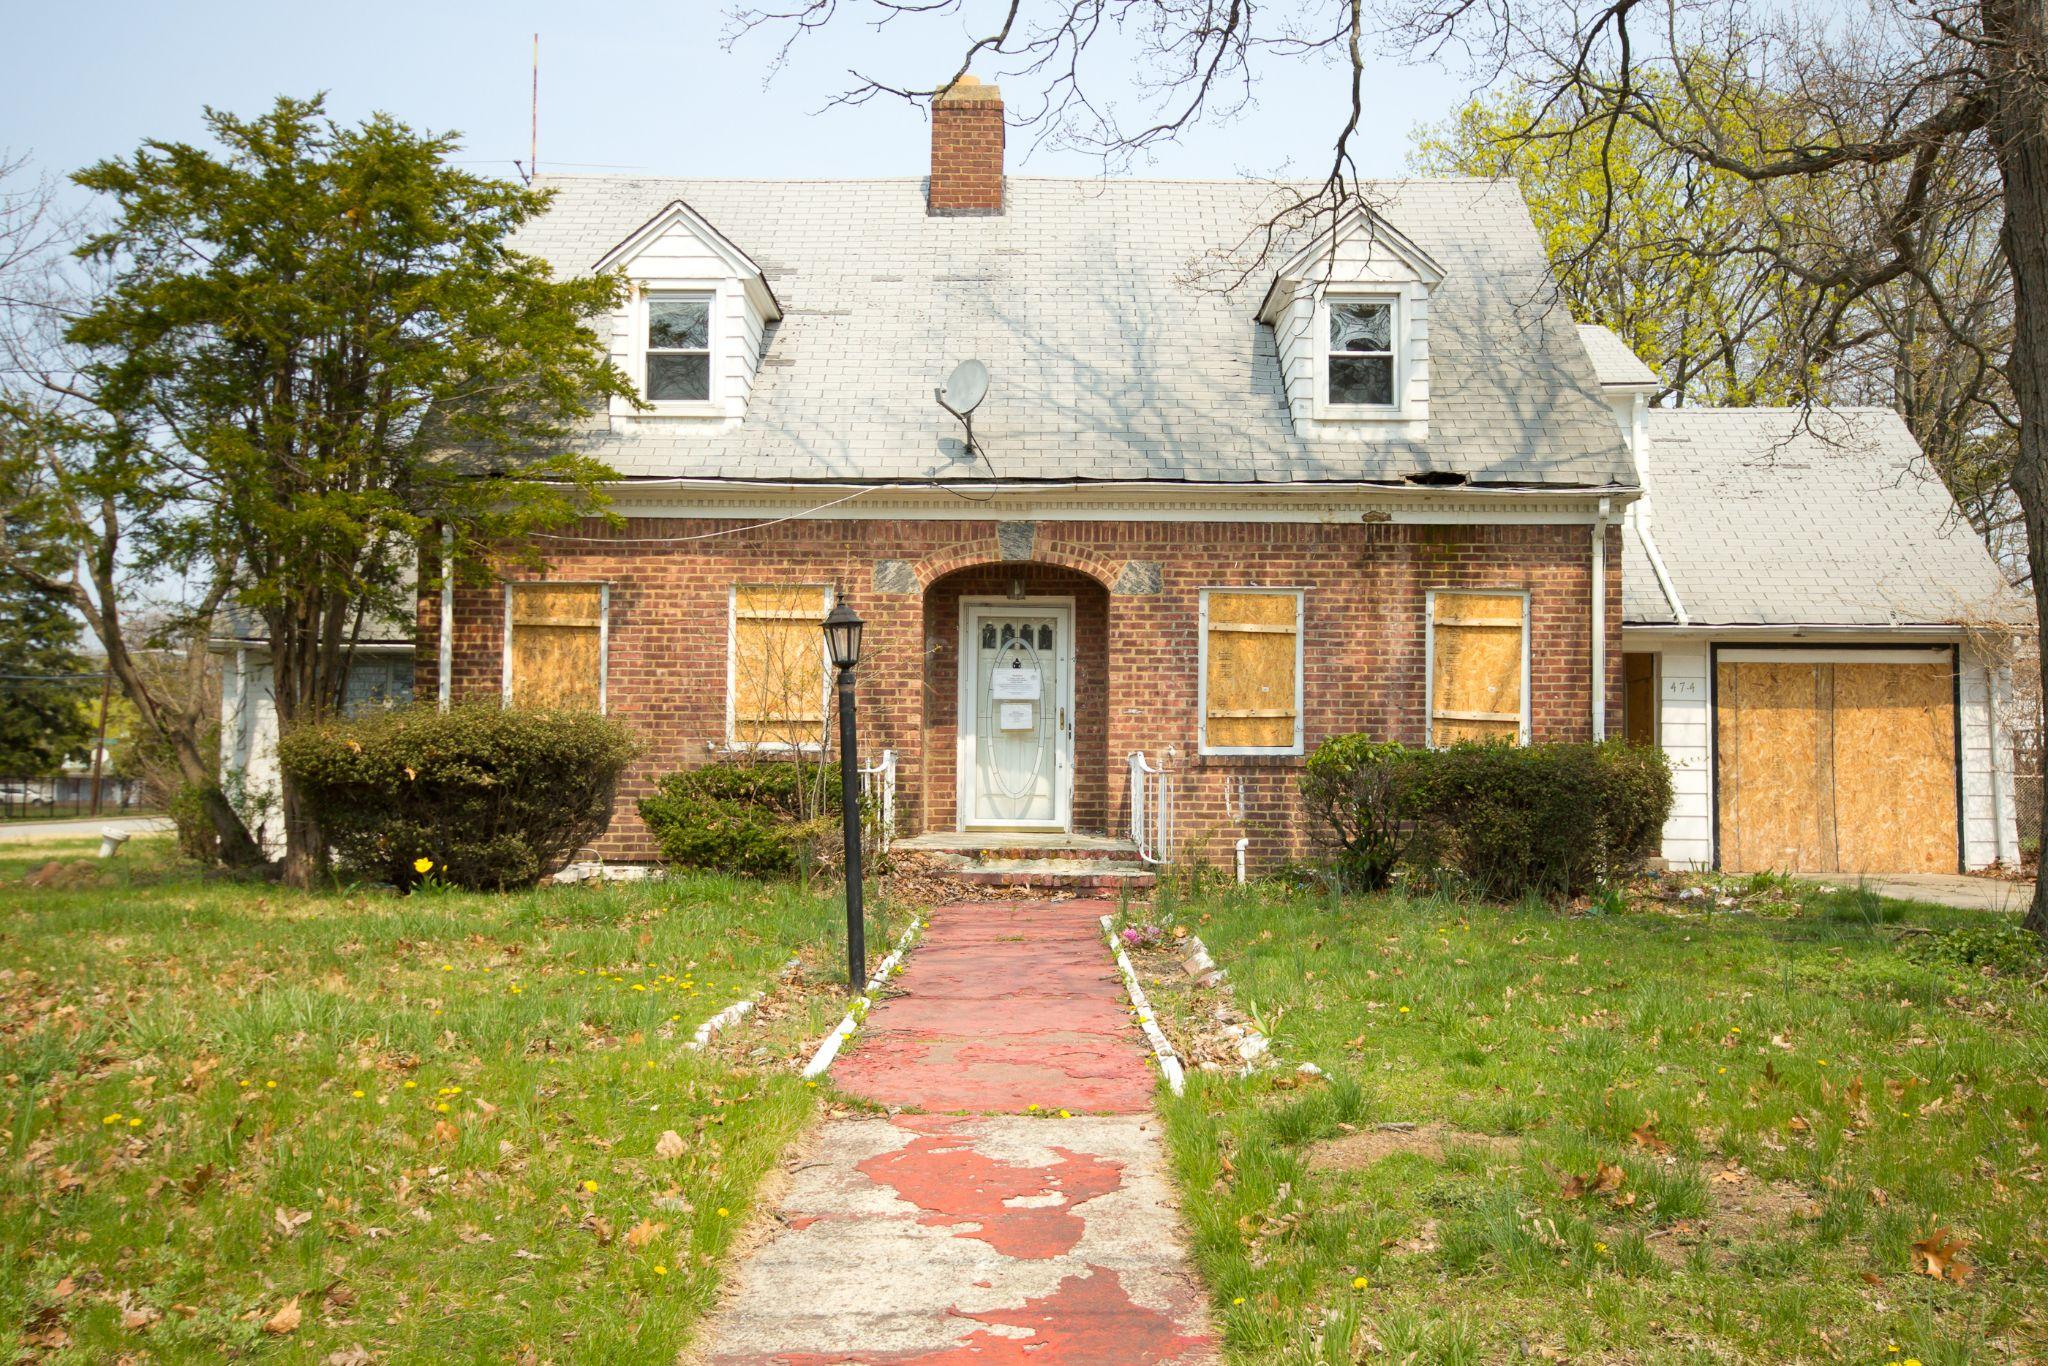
(624, 84)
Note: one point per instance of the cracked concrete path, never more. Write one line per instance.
(975, 1231)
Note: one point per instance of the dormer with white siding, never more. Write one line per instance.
(695, 320)
(1350, 318)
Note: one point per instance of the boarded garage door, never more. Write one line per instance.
(1834, 764)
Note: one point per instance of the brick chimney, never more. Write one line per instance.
(967, 150)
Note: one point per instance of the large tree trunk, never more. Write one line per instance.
(2015, 52)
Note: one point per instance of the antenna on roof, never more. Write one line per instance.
(964, 390)
(533, 143)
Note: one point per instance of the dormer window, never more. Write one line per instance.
(678, 348)
(1361, 370)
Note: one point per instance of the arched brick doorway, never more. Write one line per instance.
(986, 601)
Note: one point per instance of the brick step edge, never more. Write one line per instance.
(1069, 881)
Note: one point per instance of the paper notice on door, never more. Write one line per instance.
(1013, 685)
(1014, 716)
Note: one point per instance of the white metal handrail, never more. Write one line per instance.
(1151, 810)
(878, 790)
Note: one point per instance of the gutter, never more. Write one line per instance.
(1641, 513)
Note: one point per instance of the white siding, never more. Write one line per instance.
(1990, 833)
(1685, 730)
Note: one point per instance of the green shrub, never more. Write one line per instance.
(1363, 793)
(761, 819)
(495, 798)
(1555, 819)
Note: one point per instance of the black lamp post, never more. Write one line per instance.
(842, 643)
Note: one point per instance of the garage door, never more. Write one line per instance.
(1836, 764)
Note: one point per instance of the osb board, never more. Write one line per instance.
(778, 675)
(555, 666)
(1477, 665)
(578, 604)
(1253, 609)
(1775, 753)
(1251, 672)
(1895, 768)
(802, 602)
(1451, 732)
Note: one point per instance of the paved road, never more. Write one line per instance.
(36, 832)
(1000, 1234)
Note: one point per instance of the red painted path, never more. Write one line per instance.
(966, 1228)
(1006, 1005)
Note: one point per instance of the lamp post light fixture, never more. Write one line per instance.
(842, 645)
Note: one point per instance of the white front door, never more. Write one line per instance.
(1016, 713)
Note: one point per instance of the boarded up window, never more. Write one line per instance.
(1477, 645)
(555, 645)
(1252, 670)
(778, 665)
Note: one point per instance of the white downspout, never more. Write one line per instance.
(446, 680)
(1600, 521)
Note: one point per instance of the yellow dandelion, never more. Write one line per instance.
(114, 1118)
(1238, 1300)
(590, 1186)
(423, 865)
(244, 1082)
(1066, 1114)
(1358, 1282)
(135, 1123)
(357, 1094)
(441, 1106)
(1031, 1108)
(660, 1270)
(410, 1085)
(1404, 1010)
(1600, 1248)
(270, 1086)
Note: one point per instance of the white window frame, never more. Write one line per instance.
(733, 743)
(1429, 655)
(712, 292)
(1396, 300)
(604, 635)
(1203, 746)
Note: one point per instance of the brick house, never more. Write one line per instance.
(1380, 483)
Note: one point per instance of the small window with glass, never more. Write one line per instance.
(1361, 373)
(679, 348)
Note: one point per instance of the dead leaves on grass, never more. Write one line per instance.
(1940, 1255)
(1606, 1179)
(669, 1146)
(285, 1320)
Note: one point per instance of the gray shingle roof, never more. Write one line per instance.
(1763, 518)
(1613, 360)
(1106, 365)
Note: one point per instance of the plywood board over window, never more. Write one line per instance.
(778, 665)
(1478, 666)
(1251, 671)
(1839, 761)
(555, 644)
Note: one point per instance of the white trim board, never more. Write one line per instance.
(1744, 654)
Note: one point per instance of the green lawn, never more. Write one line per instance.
(1790, 1093)
(244, 1120)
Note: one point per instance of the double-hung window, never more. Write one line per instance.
(1362, 366)
(678, 347)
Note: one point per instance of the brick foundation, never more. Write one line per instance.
(1136, 588)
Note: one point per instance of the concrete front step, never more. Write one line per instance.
(1051, 874)
(1013, 845)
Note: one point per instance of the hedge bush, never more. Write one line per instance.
(495, 798)
(762, 819)
(1555, 819)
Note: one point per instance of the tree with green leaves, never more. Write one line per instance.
(312, 349)
(48, 688)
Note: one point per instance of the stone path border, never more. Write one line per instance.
(829, 1049)
(1162, 1047)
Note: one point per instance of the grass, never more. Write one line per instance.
(1792, 1097)
(242, 1120)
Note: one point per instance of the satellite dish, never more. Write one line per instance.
(965, 388)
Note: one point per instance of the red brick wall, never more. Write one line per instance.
(1136, 653)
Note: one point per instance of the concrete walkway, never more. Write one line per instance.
(1943, 889)
(981, 1230)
